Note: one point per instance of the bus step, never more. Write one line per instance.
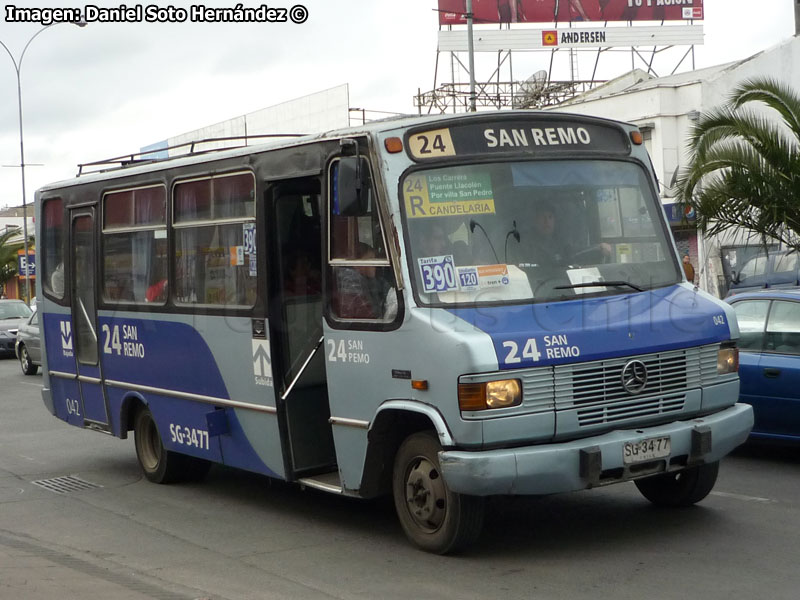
(327, 482)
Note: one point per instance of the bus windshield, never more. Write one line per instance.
(534, 231)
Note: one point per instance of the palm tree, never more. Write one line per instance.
(744, 167)
(8, 254)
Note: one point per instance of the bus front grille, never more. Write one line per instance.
(594, 391)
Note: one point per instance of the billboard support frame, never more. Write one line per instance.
(496, 93)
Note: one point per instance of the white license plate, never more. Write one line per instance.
(644, 450)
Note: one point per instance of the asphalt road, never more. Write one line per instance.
(116, 536)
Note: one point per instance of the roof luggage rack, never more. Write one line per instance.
(140, 158)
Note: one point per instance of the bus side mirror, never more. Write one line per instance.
(352, 187)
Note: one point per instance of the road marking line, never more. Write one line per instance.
(742, 497)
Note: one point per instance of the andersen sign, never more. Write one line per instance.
(576, 37)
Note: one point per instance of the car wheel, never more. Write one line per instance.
(25, 361)
(433, 517)
(682, 488)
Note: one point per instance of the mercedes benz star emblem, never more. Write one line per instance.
(634, 376)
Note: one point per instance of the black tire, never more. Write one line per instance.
(25, 361)
(433, 517)
(158, 464)
(682, 488)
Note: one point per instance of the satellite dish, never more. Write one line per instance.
(534, 84)
(674, 178)
(529, 90)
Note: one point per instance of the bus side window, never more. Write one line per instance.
(135, 245)
(52, 248)
(361, 281)
(214, 228)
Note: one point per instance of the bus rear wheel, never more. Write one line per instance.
(433, 517)
(159, 464)
(682, 488)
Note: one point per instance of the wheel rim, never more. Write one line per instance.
(24, 358)
(426, 495)
(151, 444)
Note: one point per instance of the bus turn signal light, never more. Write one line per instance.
(393, 145)
(636, 138)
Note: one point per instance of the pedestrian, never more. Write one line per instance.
(688, 268)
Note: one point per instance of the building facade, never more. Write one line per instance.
(665, 109)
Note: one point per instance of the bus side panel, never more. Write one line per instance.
(59, 349)
(57, 331)
(210, 357)
(237, 448)
(66, 400)
(159, 354)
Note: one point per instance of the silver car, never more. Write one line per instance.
(29, 345)
(13, 313)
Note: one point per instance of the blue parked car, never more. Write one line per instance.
(777, 269)
(769, 360)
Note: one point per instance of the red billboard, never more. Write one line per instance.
(452, 12)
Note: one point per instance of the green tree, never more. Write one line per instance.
(744, 166)
(8, 254)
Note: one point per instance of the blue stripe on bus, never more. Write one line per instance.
(599, 328)
(158, 354)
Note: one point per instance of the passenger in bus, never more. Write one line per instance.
(434, 241)
(552, 246)
(57, 280)
(157, 289)
(303, 276)
(362, 291)
(157, 292)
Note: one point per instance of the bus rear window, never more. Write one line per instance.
(51, 247)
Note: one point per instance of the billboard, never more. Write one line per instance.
(452, 12)
(494, 40)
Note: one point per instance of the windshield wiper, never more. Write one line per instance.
(599, 283)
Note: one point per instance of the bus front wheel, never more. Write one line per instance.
(682, 488)
(159, 464)
(433, 517)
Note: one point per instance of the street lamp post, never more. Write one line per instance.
(18, 69)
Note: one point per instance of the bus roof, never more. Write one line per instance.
(126, 165)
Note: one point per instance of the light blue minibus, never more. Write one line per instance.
(438, 308)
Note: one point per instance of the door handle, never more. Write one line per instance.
(771, 372)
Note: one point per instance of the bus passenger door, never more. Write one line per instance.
(296, 324)
(84, 319)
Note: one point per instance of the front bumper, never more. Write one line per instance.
(7, 345)
(593, 461)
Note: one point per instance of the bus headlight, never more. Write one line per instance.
(491, 394)
(727, 360)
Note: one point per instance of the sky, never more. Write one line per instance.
(108, 89)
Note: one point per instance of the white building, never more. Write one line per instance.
(314, 113)
(665, 108)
